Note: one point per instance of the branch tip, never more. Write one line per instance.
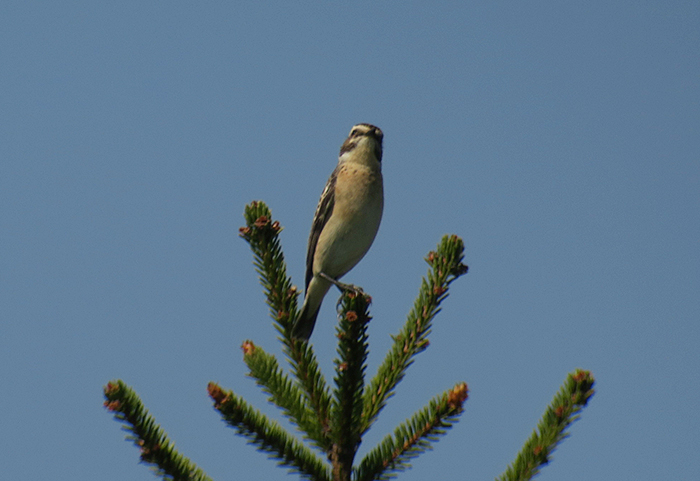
(218, 395)
(248, 348)
(458, 395)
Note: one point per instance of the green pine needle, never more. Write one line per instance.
(413, 437)
(284, 393)
(268, 435)
(551, 430)
(349, 378)
(263, 236)
(156, 448)
(445, 266)
(262, 233)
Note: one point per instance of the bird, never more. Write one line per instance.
(345, 223)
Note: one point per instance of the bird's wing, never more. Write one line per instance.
(323, 213)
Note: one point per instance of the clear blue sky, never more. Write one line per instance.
(561, 140)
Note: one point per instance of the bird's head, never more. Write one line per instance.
(366, 137)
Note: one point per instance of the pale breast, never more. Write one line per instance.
(357, 212)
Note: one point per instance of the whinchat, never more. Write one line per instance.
(346, 220)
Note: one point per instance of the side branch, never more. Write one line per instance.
(262, 233)
(414, 436)
(269, 436)
(156, 448)
(551, 430)
(284, 393)
(445, 266)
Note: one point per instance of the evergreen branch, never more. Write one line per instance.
(413, 437)
(349, 379)
(284, 393)
(156, 448)
(263, 236)
(269, 436)
(309, 377)
(551, 430)
(445, 266)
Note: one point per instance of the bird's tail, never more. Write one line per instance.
(305, 322)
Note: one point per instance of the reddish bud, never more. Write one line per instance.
(111, 389)
(248, 348)
(113, 405)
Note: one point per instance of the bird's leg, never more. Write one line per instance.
(343, 287)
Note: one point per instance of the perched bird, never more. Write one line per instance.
(346, 221)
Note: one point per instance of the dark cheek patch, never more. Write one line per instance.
(347, 146)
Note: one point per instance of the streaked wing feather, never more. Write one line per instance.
(323, 213)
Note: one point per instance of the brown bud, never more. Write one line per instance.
(459, 394)
(261, 221)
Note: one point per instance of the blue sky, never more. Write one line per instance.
(560, 140)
